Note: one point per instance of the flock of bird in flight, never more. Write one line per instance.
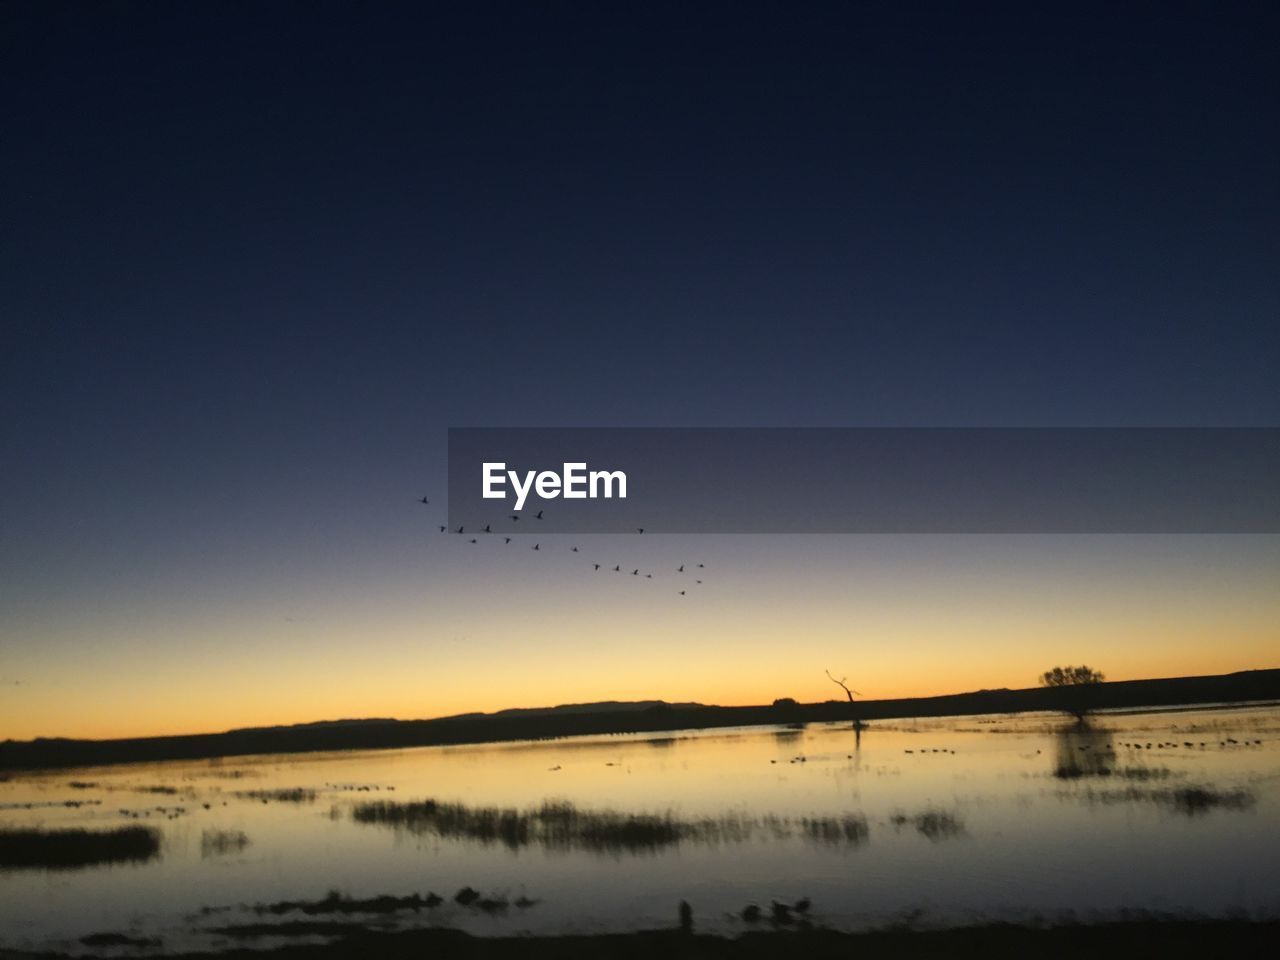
(692, 571)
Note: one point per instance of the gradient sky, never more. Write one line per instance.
(256, 258)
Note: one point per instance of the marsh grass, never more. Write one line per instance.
(337, 903)
(1077, 772)
(560, 825)
(113, 939)
(851, 830)
(217, 843)
(283, 795)
(936, 825)
(74, 849)
(1190, 801)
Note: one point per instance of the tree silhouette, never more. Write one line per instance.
(857, 722)
(1077, 687)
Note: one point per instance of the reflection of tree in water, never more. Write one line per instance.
(1083, 751)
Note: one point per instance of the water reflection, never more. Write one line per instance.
(1083, 750)
(958, 817)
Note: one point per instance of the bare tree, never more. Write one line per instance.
(842, 685)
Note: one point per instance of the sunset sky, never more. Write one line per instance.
(256, 259)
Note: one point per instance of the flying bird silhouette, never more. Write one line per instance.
(538, 515)
(486, 529)
(680, 569)
(618, 568)
(442, 529)
(424, 500)
(459, 528)
(507, 539)
(635, 573)
(596, 565)
(575, 549)
(535, 546)
(639, 529)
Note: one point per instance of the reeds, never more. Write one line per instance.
(560, 825)
(74, 849)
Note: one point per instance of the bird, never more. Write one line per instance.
(459, 528)
(515, 518)
(424, 500)
(618, 569)
(507, 539)
(575, 549)
(697, 581)
(443, 529)
(639, 529)
(474, 540)
(649, 576)
(596, 565)
(538, 515)
(680, 569)
(486, 529)
(682, 593)
(535, 546)
(701, 565)
(635, 573)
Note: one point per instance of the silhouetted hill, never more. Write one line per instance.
(599, 706)
(642, 717)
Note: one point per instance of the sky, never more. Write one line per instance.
(255, 259)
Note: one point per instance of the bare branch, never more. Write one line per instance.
(842, 685)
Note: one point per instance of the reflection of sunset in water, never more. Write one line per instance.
(964, 817)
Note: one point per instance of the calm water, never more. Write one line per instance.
(937, 821)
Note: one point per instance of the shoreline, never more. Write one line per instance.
(1144, 936)
(1223, 691)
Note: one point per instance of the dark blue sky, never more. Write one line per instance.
(254, 258)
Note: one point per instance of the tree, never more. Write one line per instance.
(1076, 688)
(857, 722)
(842, 685)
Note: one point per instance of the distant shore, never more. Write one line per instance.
(1168, 939)
(1232, 688)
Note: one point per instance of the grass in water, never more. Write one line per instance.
(72, 849)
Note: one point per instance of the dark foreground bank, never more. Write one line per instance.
(1130, 940)
(1247, 686)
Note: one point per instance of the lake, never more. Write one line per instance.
(932, 822)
